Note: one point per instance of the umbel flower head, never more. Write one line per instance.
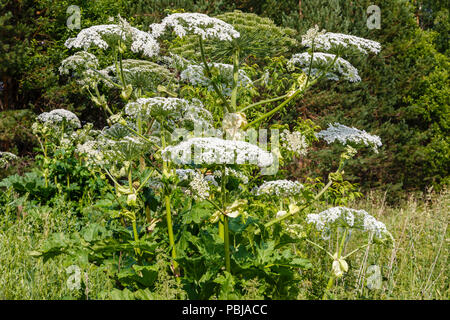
(217, 151)
(329, 40)
(170, 108)
(348, 218)
(295, 142)
(78, 62)
(347, 135)
(280, 188)
(5, 158)
(105, 36)
(91, 150)
(195, 23)
(321, 61)
(59, 116)
(83, 65)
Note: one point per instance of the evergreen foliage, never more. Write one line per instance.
(404, 92)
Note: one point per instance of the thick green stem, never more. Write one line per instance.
(221, 229)
(168, 210)
(287, 215)
(208, 73)
(235, 80)
(329, 286)
(226, 236)
(263, 102)
(45, 162)
(279, 107)
(136, 236)
(294, 94)
(170, 231)
(227, 244)
(332, 276)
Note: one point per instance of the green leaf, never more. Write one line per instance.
(199, 212)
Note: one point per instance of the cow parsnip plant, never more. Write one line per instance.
(225, 216)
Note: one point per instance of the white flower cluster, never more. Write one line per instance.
(92, 151)
(58, 116)
(346, 134)
(195, 23)
(195, 74)
(348, 218)
(281, 213)
(185, 174)
(188, 174)
(104, 36)
(281, 188)
(329, 40)
(91, 78)
(321, 61)
(217, 151)
(199, 184)
(199, 187)
(295, 142)
(311, 34)
(175, 108)
(6, 157)
(80, 61)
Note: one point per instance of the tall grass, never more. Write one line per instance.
(25, 277)
(415, 267)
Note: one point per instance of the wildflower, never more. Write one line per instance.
(5, 158)
(329, 40)
(339, 266)
(195, 23)
(199, 187)
(177, 109)
(347, 218)
(345, 135)
(80, 61)
(104, 36)
(321, 61)
(218, 151)
(127, 148)
(312, 34)
(281, 188)
(232, 124)
(59, 116)
(281, 213)
(295, 142)
(185, 174)
(91, 150)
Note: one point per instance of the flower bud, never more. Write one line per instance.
(126, 92)
(132, 200)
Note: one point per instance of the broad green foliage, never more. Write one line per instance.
(218, 221)
(231, 222)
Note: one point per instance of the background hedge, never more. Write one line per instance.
(403, 98)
